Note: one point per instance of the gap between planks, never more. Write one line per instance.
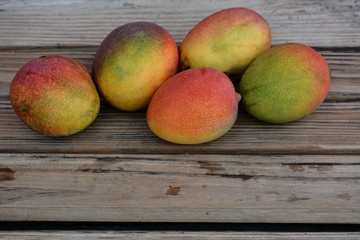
(92, 235)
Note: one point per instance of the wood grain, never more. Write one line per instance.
(86, 23)
(344, 65)
(80, 235)
(180, 188)
(117, 170)
(333, 129)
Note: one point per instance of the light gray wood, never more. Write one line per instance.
(74, 23)
(79, 235)
(180, 188)
(344, 65)
(333, 129)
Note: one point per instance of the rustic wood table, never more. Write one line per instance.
(118, 171)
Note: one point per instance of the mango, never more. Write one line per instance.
(55, 96)
(194, 106)
(286, 83)
(228, 40)
(132, 62)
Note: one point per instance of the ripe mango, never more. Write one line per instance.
(194, 106)
(132, 62)
(228, 40)
(54, 96)
(285, 83)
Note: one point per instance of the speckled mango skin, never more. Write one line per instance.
(194, 106)
(54, 96)
(132, 62)
(286, 83)
(228, 40)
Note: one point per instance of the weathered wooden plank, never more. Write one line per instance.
(333, 129)
(79, 23)
(344, 65)
(180, 188)
(88, 235)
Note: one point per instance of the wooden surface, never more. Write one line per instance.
(117, 170)
(82, 235)
(85, 23)
(184, 187)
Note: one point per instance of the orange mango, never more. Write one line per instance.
(227, 40)
(194, 106)
(54, 96)
(132, 62)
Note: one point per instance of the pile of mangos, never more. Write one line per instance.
(189, 92)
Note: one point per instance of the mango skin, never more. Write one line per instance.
(194, 106)
(286, 83)
(228, 40)
(132, 62)
(54, 96)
